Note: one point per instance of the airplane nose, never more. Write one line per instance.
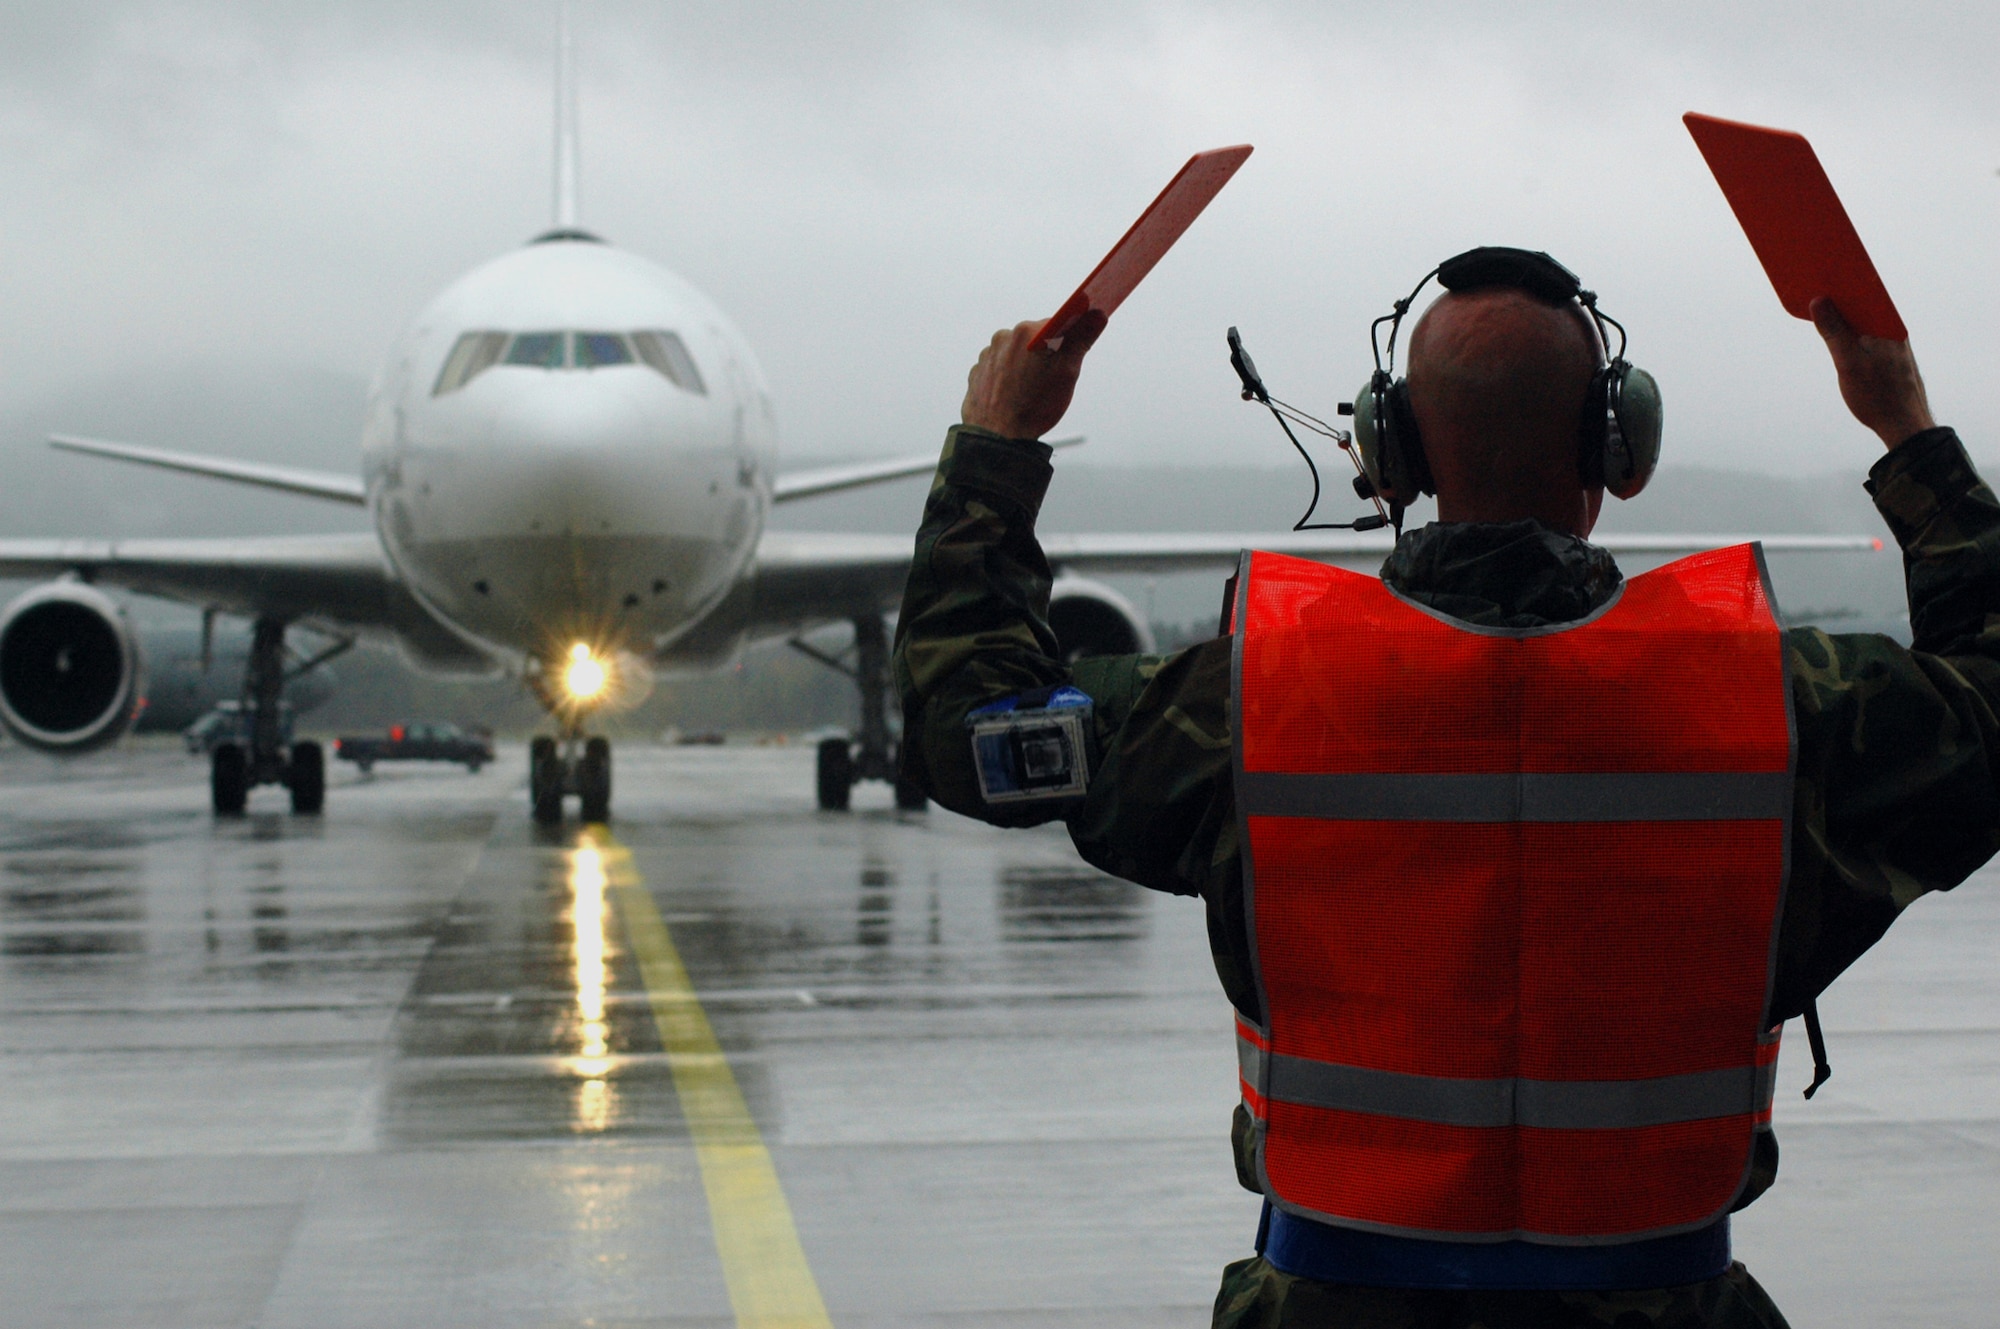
(570, 417)
(585, 507)
(587, 457)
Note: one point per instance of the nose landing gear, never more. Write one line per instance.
(577, 766)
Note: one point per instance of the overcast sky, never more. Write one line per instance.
(870, 188)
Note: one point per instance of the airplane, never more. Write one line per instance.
(568, 458)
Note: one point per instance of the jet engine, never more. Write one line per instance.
(69, 668)
(1090, 618)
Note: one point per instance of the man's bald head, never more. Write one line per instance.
(1497, 381)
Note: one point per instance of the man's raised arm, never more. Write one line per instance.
(1898, 748)
(974, 624)
(974, 631)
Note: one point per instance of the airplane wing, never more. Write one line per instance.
(833, 479)
(351, 489)
(290, 479)
(333, 582)
(806, 578)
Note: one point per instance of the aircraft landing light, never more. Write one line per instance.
(584, 677)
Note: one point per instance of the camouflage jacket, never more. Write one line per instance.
(1898, 788)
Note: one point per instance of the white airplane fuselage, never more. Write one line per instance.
(534, 506)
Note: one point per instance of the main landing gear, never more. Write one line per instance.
(871, 753)
(578, 765)
(264, 757)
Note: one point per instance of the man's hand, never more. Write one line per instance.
(1878, 378)
(1019, 393)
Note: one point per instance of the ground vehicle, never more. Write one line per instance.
(417, 742)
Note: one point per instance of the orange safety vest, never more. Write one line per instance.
(1514, 900)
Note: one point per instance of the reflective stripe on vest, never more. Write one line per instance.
(1577, 1105)
(1513, 899)
(1725, 796)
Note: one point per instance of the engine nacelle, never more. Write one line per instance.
(69, 668)
(1090, 618)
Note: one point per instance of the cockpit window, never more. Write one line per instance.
(666, 352)
(600, 348)
(541, 350)
(476, 352)
(471, 355)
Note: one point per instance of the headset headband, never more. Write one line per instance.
(1527, 270)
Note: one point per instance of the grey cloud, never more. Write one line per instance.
(871, 188)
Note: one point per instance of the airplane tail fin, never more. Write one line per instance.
(566, 164)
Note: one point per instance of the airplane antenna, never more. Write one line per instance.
(566, 131)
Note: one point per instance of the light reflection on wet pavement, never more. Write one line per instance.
(398, 1066)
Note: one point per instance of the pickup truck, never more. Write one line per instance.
(417, 742)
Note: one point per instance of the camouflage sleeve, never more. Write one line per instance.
(974, 622)
(1898, 748)
(974, 628)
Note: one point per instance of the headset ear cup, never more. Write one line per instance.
(1632, 418)
(1385, 433)
(1368, 435)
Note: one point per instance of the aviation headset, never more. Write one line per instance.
(1618, 442)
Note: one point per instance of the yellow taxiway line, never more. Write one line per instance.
(770, 1284)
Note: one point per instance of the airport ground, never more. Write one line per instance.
(413, 1063)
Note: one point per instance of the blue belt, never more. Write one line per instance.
(1331, 1254)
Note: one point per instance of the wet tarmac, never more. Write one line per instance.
(738, 1061)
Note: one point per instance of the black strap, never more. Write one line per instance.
(1528, 270)
(1821, 1071)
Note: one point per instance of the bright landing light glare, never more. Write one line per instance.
(584, 676)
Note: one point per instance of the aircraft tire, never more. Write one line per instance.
(593, 780)
(836, 775)
(228, 779)
(545, 781)
(307, 778)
